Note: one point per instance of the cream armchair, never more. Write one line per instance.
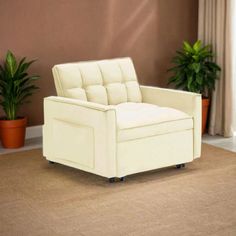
(103, 122)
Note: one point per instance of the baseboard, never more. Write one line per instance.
(33, 132)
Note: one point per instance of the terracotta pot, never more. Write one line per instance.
(205, 108)
(13, 132)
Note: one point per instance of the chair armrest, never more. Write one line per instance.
(177, 99)
(187, 102)
(76, 102)
(68, 121)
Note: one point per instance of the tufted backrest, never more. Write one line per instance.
(107, 82)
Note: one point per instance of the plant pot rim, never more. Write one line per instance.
(19, 122)
(3, 118)
(206, 102)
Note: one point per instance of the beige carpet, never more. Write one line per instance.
(41, 199)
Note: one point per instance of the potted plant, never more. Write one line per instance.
(15, 88)
(196, 72)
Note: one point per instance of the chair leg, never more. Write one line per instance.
(111, 180)
(179, 166)
(122, 179)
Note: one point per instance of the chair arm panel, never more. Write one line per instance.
(187, 102)
(100, 118)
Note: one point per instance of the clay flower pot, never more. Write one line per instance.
(13, 132)
(205, 108)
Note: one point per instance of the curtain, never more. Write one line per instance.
(215, 28)
(234, 63)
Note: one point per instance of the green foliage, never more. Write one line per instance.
(15, 84)
(194, 69)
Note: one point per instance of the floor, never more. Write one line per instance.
(58, 200)
(38, 199)
(217, 141)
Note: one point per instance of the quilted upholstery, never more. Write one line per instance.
(107, 82)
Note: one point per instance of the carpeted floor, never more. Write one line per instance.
(41, 199)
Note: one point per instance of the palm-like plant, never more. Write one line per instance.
(194, 69)
(15, 84)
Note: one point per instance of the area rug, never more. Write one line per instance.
(37, 198)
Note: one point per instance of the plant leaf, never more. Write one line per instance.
(197, 46)
(196, 67)
(187, 47)
(11, 63)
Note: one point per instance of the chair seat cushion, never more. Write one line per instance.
(139, 120)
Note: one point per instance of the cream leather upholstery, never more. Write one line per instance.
(103, 122)
(139, 120)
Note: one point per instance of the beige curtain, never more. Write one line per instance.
(215, 28)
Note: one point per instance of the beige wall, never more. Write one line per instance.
(57, 31)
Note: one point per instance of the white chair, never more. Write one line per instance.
(103, 122)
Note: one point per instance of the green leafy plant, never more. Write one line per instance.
(15, 84)
(194, 69)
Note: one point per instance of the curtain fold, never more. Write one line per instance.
(215, 28)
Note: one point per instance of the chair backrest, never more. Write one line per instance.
(107, 82)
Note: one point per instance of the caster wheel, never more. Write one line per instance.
(51, 162)
(111, 180)
(180, 166)
(122, 179)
